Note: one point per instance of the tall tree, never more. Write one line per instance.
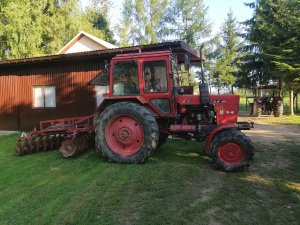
(140, 21)
(227, 54)
(275, 29)
(186, 20)
(148, 16)
(98, 16)
(127, 28)
(33, 28)
(20, 29)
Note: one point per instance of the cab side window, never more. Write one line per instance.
(125, 78)
(155, 76)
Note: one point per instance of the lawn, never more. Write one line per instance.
(178, 185)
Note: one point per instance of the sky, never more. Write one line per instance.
(217, 11)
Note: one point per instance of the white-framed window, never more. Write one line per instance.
(44, 97)
(100, 90)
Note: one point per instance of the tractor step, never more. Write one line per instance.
(245, 125)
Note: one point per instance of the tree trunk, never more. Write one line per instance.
(291, 92)
(297, 109)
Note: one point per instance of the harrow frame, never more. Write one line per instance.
(70, 135)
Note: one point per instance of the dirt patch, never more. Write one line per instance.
(271, 134)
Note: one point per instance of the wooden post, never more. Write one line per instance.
(297, 109)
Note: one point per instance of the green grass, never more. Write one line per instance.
(284, 120)
(178, 185)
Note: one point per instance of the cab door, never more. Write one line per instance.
(156, 86)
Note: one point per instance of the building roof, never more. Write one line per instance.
(85, 42)
(175, 46)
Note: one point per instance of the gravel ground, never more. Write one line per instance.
(271, 134)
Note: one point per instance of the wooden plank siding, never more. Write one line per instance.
(73, 96)
(69, 73)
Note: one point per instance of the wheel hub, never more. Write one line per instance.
(124, 135)
(231, 153)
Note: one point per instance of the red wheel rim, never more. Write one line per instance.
(231, 153)
(124, 135)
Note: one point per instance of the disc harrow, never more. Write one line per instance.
(71, 136)
(74, 145)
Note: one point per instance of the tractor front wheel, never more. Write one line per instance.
(278, 111)
(126, 133)
(232, 150)
(257, 109)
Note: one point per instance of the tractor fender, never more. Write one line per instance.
(214, 132)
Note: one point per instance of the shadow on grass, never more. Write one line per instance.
(181, 151)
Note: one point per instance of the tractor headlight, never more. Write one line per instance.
(211, 114)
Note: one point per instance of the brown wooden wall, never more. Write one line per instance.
(73, 96)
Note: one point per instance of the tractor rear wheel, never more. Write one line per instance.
(278, 111)
(232, 150)
(126, 133)
(257, 110)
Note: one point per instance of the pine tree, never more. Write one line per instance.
(275, 30)
(227, 54)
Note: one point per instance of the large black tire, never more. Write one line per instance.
(257, 110)
(278, 111)
(126, 133)
(231, 150)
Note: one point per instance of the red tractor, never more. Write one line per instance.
(145, 104)
(267, 100)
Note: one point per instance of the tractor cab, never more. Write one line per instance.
(150, 78)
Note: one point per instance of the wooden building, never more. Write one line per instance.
(84, 42)
(56, 86)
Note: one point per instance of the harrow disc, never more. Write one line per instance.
(39, 143)
(60, 139)
(68, 148)
(19, 148)
(47, 143)
(33, 146)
